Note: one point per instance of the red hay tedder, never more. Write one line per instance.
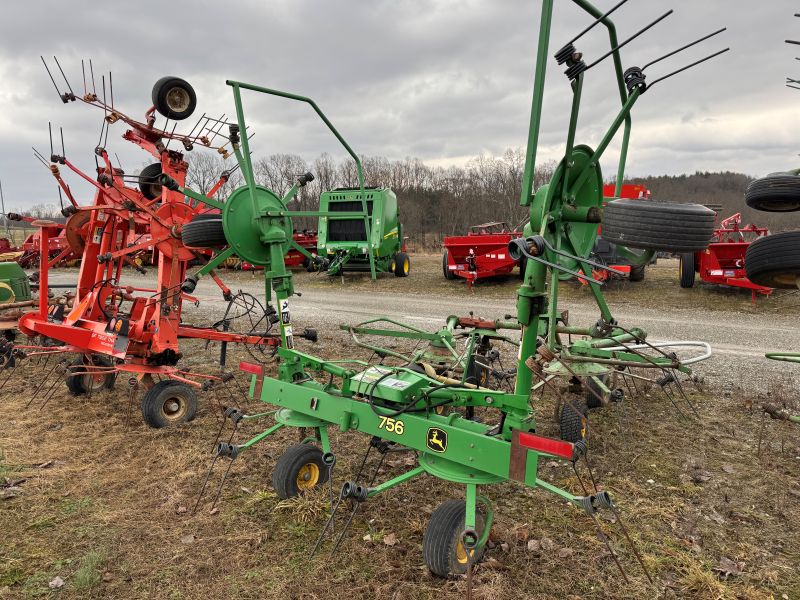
(59, 250)
(117, 328)
(722, 262)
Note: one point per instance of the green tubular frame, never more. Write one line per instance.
(245, 161)
(536, 307)
(449, 446)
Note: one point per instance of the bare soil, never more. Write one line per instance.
(94, 501)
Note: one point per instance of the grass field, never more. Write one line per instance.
(95, 504)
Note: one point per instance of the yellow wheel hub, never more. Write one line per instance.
(461, 553)
(307, 476)
(405, 266)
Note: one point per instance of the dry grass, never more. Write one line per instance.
(107, 505)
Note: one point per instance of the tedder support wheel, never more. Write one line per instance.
(637, 273)
(80, 383)
(174, 98)
(777, 192)
(687, 269)
(169, 402)
(442, 548)
(402, 265)
(298, 469)
(574, 425)
(148, 181)
(204, 231)
(593, 391)
(658, 225)
(774, 260)
(445, 271)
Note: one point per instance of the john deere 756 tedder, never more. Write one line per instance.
(468, 421)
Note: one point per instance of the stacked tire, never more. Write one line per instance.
(774, 260)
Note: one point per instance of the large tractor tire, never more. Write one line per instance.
(687, 270)
(774, 261)
(777, 192)
(204, 231)
(649, 225)
(448, 274)
(174, 98)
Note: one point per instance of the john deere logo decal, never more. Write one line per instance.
(437, 439)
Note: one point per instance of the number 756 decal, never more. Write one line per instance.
(392, 425)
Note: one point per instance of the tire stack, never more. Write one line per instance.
(774, 261)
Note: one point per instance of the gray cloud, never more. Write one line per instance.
(441, 80)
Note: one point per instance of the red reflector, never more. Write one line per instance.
(546, 445)
(251, 368)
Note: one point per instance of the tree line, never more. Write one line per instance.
(436, 201)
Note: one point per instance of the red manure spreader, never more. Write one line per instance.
(722, 262)
(480, 254)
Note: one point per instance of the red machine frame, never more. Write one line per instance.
(143, 340)
(480, 254)
(722, 263)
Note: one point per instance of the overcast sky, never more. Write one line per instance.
(439, 80)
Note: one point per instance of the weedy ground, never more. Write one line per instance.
(95, 504)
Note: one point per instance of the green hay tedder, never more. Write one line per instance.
(467, 419)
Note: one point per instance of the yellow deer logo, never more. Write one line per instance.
(437, 439)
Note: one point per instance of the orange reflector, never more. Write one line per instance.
(251, 368)
(546, 445)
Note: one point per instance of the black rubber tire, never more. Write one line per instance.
(402, 265)
(523, 264)
(662, 226)
(448, 274)
(78, 385)
(204, 231)
(774, 260)
(687, 270)
(591, 400)
(777, 192)
(637, 273)
(148, 181)
(443, 535)
(289, 469)
(155, 411)
(162, 90)
(574, 426)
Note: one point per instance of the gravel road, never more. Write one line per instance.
(739, 340)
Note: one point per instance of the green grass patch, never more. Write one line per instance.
(12, 576)
(70, 506)
(89, 573)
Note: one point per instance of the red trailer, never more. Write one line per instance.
(482, 253)
(306, 239)
(723, 261)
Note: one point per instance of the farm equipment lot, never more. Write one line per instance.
(106, 504)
